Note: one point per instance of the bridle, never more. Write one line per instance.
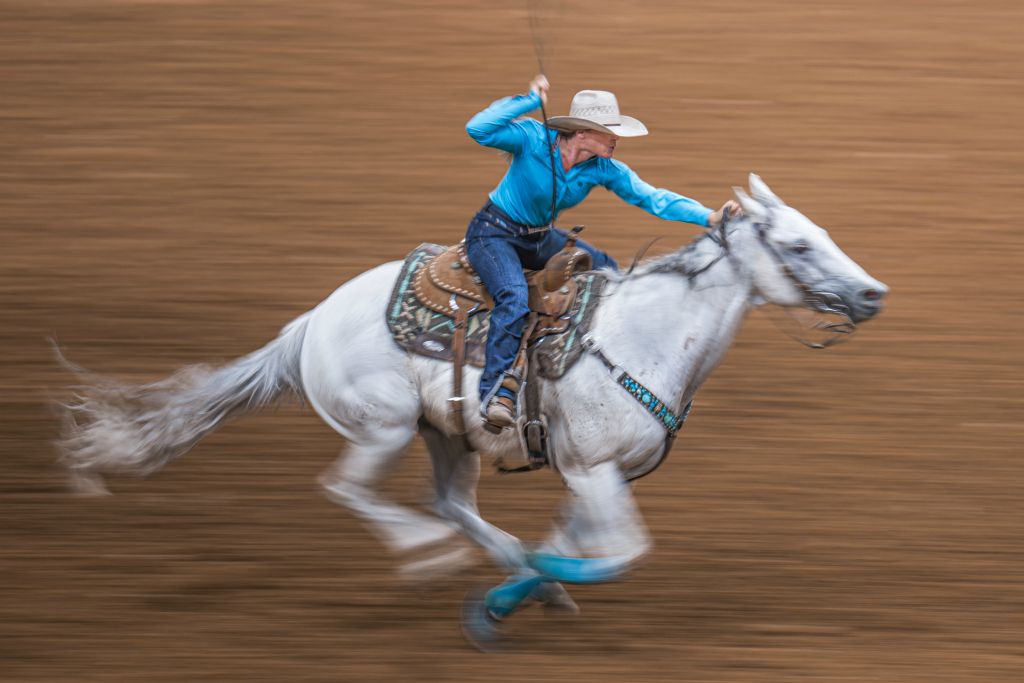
(817, 300)
(824, 302)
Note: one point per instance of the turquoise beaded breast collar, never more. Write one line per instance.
(671, 421)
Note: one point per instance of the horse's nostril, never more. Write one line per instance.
(871, 295)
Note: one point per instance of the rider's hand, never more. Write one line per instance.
(540, 85)
(730, 208)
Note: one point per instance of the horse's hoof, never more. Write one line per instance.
(555, 599)
(480, 627)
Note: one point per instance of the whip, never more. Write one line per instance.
(539, 49)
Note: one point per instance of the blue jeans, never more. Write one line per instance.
(499, 249)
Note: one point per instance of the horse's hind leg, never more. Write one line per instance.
(361, 384)
(602, 533)
(428, 544)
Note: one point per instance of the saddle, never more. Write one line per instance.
(449, 285)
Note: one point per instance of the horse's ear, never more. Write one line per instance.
(762, 192)
(751, 206)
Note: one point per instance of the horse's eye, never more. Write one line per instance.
(799, 248)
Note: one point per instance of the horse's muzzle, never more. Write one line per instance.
(859, 300)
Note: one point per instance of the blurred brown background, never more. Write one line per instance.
(179, 178)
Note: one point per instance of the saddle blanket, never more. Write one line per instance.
(420, 330)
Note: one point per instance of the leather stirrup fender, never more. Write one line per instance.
(458, 399)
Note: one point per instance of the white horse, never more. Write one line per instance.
(667, 325)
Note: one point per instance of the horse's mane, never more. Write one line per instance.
(681, 261)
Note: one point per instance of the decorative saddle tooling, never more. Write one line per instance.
(449, 285)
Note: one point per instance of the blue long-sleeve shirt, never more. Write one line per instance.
(525, 191)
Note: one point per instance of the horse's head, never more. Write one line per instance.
(794, 262)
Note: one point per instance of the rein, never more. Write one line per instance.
(722, 240)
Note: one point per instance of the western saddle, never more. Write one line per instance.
(449, 285)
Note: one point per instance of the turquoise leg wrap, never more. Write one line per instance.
(577, 569)
(503, 600)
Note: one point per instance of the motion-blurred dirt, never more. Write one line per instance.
(178, 179)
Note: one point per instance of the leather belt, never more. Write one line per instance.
(501, 220)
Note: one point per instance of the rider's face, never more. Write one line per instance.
(598, 143)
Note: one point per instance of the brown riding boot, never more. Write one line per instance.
(501, 413)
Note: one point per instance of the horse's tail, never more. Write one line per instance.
(110, 427)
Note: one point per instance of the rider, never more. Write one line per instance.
(515, 228)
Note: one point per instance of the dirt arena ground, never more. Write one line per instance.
(179, 178)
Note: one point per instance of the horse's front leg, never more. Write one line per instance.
(601, 533)
(600, 538)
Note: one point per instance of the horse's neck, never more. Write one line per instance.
(669, 331)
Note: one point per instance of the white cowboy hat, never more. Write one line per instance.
(597, 110)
